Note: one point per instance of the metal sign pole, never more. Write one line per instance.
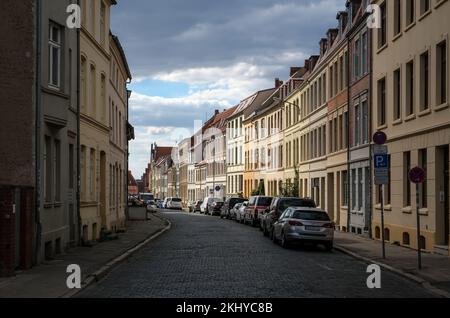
(419, 249)
(383, 242)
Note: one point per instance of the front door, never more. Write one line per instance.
(446, 194)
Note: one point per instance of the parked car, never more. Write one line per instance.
(159, 204)
(241, 212)
(146, 198)
(134, 201)
(278, 206)
(164, 204)
(204, 207)
(228, 206)
(151, 207)
(256, 206)
(215, 207)
(234, 211)
(195, 206)
(297, 225)
(174, 204)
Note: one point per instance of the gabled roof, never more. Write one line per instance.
(257, 102)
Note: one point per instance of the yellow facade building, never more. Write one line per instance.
(103, 77)
(411, 105)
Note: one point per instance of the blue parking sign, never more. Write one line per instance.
(381, 161)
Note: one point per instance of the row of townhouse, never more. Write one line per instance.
(311, 136)
(64, 130)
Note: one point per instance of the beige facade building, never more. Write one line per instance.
(411, 105)
(104, 75)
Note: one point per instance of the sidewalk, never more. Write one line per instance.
(48, 280)
(435, 273)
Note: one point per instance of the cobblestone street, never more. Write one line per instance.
(204, 256)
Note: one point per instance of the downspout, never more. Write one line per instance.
(348, 134)
(127, 155)
(78, 196)
(37, 243)
(370, 34)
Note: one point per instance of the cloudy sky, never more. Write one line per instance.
(189, 57)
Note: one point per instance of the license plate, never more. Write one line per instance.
(312, 228)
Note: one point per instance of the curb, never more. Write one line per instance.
(425, 284)
(105, 269)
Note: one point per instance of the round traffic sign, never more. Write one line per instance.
(379, 138)
(218, 188)
(417, 175)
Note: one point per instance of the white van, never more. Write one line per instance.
(174, 204)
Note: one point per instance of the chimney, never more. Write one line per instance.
(323, 46)
(342, 17)
(307, 65)
(277, 83)
(294, 69)
(331, 35)
(217, 112)
(313, 61)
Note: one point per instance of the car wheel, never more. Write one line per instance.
(284, 242)
(273, 237)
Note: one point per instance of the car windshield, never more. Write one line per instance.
(264, 201)
(311, 216)
(147, 197)
(284, 204)
(176, 200)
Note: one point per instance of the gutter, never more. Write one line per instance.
(78, 137)
(37, 242)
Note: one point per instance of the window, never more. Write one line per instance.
(410, 11)
(382, 102)
(441, 73)
(102, 23)
(92, 174)
(423, 186)
(83, 83)
(410, 88)
(48, 169)
(54, 45)
(356, 59)
(397, 16)
(57, 171)
(71, 166)
(364, 57)
(397, 94)
(357, 123)
(360, 189)
(364, 122)
(424, 6)
(424, 81)
(406, 182)
(382, 32)
(345, 188)
(345, 132)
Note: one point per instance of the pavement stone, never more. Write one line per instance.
(205, 257)
(48, 280)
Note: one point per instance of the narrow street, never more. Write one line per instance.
(203, 256)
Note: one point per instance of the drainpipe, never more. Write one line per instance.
(37, 243)
(78, 137)
(348, 135)
(370, 33)
(127, 155)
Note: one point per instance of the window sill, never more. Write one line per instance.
(441, 107)
(438, 4)
(386, 207)
(424, 112)
(48, 205)
(423, 211)
(425, 14)
(407, 210)
(382, 48)
(397, 36)
(410, 117)
(382, 127)
(410, 26)
(397, 121)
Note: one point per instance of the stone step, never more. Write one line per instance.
(441, 250)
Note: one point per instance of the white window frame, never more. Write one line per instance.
(54, 45)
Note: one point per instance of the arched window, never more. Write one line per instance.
(406, 239)
(387, 234)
